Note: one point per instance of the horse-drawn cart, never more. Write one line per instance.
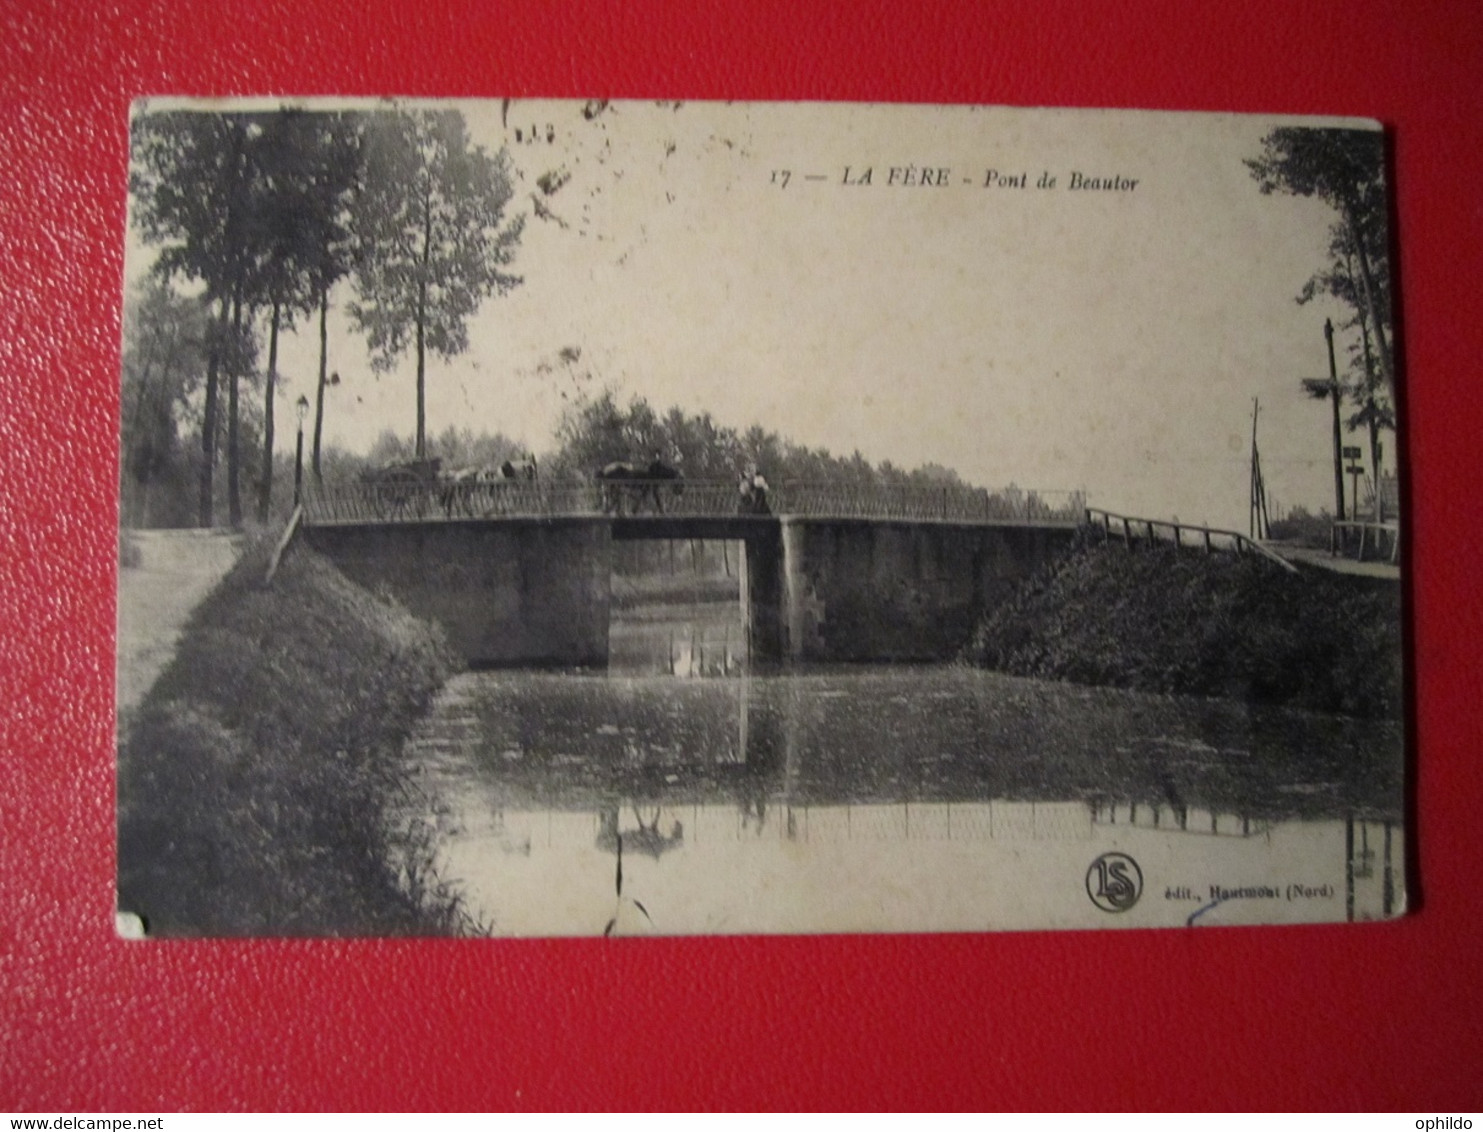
(403, 491)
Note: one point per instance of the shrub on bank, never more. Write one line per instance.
(1162, 620)
(255, 781)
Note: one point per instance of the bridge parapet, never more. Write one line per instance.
(432, 501)
(1179, 535)
(952, 503)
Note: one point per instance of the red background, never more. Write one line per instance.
(1336, 1017)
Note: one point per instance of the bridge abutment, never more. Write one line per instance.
(872, 590)
(515, 592)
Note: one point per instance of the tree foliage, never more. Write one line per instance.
(1345, 169)
(431, 241)
(332, 175)
(253, 208)
(456, 447)
(165, 342)
(191, 195)
(190, 185)
(595, 431)
(304, 167)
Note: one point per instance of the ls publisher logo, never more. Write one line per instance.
(1114, 882)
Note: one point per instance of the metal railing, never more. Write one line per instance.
(945, 503)
(405, 501)
(1357, 538)
(1179, 535)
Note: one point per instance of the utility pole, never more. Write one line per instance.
(1328, 334)
(1259, 525)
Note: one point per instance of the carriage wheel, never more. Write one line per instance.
(399, 495)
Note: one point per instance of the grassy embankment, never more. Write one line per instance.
(255, 780)
(1161, 620)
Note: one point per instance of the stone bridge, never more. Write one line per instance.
(524, 578)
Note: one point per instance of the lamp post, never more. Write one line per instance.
(303, 408)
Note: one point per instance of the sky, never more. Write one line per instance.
(1110, 340)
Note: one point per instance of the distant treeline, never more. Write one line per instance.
(600, 430)
(596, 431)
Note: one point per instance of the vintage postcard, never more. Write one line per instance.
(578, 518)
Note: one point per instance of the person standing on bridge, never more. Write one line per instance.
(758, 491)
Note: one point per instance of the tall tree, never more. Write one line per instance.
(288, 244)
(1346, 169)
(163, 360)
(431, 239)
(190, 187)
(335, 176)
(1362, 384)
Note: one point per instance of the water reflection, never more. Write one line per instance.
(678, 609)
(690, 649)
(900, 799)
(616, 837)
(913, 735)
(1183, 819)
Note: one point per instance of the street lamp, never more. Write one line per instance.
(303, 409)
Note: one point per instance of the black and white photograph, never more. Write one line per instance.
(588, 518)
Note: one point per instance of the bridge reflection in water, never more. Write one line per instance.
(904, 867)
(901, 799)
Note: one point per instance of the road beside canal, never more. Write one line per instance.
(175, 572)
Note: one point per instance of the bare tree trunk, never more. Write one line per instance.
(427, 243)
(421, 386)
(206, 510)
(324, 302)
(1374, 420)
(1382, 347)
(234, 479)
(265, 483)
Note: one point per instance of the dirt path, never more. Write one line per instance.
(179, 569)
(1307, 556)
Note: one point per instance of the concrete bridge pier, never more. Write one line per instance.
(763, 594)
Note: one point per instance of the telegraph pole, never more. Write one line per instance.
(1328, 334)
(1259, 526)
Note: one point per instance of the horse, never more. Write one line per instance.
(523, 468)
(638, 482)
(458, 489)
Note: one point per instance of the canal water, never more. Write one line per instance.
(677, 793)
